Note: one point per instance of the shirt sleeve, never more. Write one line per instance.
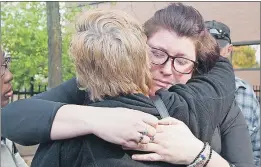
(255, 136)
(249, 105)
(29, 121)
(255, 132)
(236, 143)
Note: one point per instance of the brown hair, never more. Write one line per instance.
(186, 21)
(110, 54)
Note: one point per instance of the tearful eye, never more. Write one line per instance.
(183, 65)
(158, 55)
(182, 61)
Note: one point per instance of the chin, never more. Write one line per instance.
(154, 89)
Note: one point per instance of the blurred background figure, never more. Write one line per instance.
(10, 156)
(245, 96)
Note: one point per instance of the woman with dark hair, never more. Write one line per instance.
(178, 45)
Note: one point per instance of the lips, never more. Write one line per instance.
(160, 83)
(9, 93)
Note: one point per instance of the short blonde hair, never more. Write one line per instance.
(110, 54)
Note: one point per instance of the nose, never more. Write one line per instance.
(8, 77)
(167, 68)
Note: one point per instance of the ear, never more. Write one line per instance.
(230, 49)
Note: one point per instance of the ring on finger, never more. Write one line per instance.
(145, 132)
(141, 138)
(152, 139)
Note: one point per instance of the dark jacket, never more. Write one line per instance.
(202, 104)
(90, 150)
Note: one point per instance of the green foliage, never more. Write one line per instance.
(244, 57)
(68, 16)
(24, 36)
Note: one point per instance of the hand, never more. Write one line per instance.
(173, 143)
(124, 126)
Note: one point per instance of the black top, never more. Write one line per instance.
(90, 150)
(203, 104)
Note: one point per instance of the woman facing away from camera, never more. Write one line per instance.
(177, 42)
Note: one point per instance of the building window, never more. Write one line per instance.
(246, 55)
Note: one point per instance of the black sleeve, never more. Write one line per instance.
(67, 92)
(235, 138)
(202, 103)
(29, 121)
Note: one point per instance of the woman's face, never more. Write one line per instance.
(164, 76)
(5, 83)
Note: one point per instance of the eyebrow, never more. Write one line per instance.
(165, 51)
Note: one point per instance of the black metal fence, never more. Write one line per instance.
(26, 93)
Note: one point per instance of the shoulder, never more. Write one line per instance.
(70, 83)
(8, 143)
(244, 94)
(242, 84)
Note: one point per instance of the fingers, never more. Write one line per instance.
(169, 121)
(144, 136)
(160, 128)
(147, 157)
(140, 139)
(150, 147)
(141, 133)
(150, 119)
(147, 130)
(130, 144)
(158, 138)
(143, 139)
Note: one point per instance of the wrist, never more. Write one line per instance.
(196, 149)
(88, 116)
(84, 118)
(203, 157)
(71, 121)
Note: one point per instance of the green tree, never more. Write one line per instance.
(68, 17)
(244, 57)
(24, 36)
(54, 44)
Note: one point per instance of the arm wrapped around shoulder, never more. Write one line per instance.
(204, 101)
